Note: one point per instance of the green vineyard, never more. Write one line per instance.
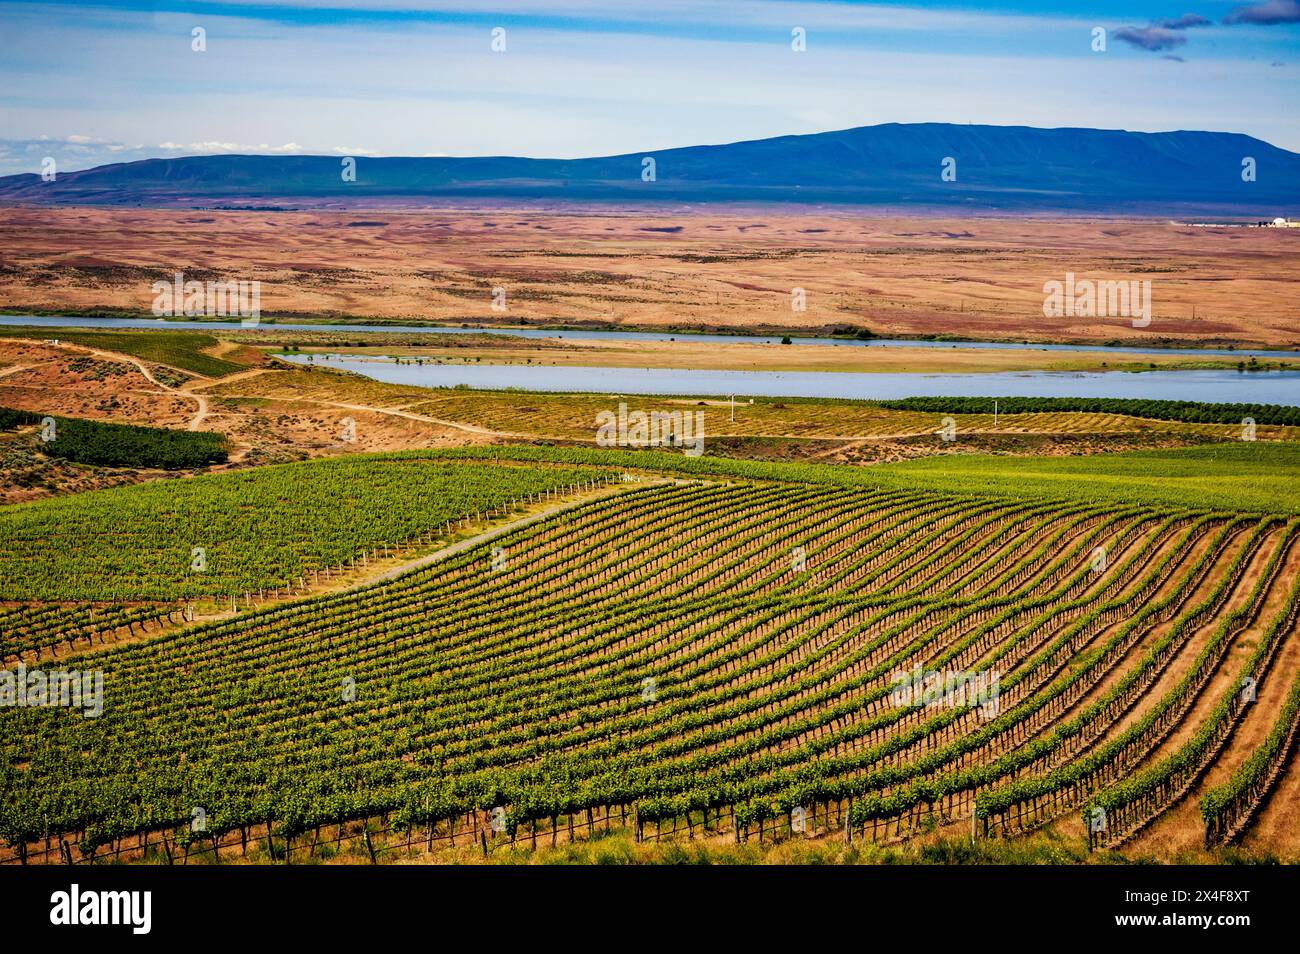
(122, 445)
(255, 529)
(572, 415)
(1194, 412)
(714, 648)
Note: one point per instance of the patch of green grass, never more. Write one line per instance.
(1253, 476)
(1256, 477)
(179, 349)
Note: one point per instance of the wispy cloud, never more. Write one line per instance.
(1151, 38)
(232, 147)
(1161, 34)
(72, 152)
(1185, 22)
(79, 151)
(1269, 13)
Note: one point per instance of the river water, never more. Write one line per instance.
(1255, 387)
(1248, 387)
(77, 322)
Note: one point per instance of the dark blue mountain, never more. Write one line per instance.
(1013, 168)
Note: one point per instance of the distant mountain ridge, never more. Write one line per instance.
(1013, 168)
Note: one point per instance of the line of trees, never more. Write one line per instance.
(10, 419)
(1190, 412)
(124, 445)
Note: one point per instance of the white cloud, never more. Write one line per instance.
(212, 146)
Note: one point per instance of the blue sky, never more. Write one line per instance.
(107, 81)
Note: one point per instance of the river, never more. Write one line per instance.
(77, 322)
(1247, 387)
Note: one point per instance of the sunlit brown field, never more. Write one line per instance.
(668, 269)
